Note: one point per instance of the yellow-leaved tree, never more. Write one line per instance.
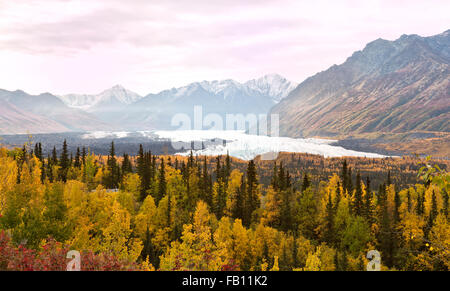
(117, 236)
(196, 250)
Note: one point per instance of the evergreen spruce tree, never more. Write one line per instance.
(205, 191)
(36, 150)
(148, 251)
(252, 198)
(305, 183)
(328, 236)
(408, 200)
(43, 167)
(286, 211)
(288, 180)
(112, 180)
(83, 156)
(432, 215)
(191, 160)
(126, 165)
(144, 172)
(281, 178)
(368, 202)
(433, 211)
(218, 169)
(358, 202)
(337, 199)
(227, 167)
(220, 199)
(40, 151)
(396, 207)
(237, 211)
(420, 208)
(64, 163)
(162, 184)
(77, 162)
(152, 166)
(49, 170)
(445, 204)
(274, 181)
(169, 209)
(54, 157)
(385, 237)
(344, 176)
(350, 182)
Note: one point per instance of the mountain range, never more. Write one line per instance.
(120, 109)
(390, 86)
(395, 86)
(218, 97)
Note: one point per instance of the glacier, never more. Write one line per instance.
(245, 146)
(238, 143)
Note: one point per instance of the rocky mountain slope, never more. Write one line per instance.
(390, 86)
(120, 109)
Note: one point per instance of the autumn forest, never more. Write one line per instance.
(300, 212)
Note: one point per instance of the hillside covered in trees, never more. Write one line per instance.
(146, 212)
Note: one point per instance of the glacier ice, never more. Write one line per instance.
(246, 146)
(239, 144)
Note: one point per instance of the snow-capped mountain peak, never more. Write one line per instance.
(116, 94)
(272, 85)
(219, 86)
(120, 93)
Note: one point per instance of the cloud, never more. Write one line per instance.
(150, 45)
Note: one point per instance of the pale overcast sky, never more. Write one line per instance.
(86, 46)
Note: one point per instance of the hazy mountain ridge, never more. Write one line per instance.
(13, 120)
(24, 113)
(389, 86)
(116, 95)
